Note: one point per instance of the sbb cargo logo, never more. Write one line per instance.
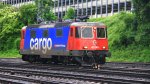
(43, 44)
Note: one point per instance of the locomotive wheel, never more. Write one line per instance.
(85, 61)
(78, 61)
(89, 60)
(65, 60)
(44, 60)
(55, 60)
(32, 59)
(102, 59)
(25, 58)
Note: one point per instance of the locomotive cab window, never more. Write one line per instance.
(87, 33)
(45, 33)
(59, 32)
(32, 33)
(101, 33)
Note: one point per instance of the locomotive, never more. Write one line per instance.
(65, 42)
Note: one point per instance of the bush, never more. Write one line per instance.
(9, 27)
(17, 44)
(141, 10)
(12, 21)
(28, 14)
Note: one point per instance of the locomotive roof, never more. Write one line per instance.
(60, 24)
(87, 24)
(51, 25)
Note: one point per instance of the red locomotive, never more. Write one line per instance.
(65, 42)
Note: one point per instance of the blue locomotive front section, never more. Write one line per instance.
(46, 40)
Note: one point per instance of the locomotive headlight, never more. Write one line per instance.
(104, 47)
(85, 47)
(94, 28)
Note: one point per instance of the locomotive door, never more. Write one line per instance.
(71, 39)
(75, 38)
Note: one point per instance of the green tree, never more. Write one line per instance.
(70, 14)
(45, 8)
(45, 3)
(28, 14)
(142, 10)
(50, 16)
(11, 21)
(9, 27)
(2, 5)
(141, 23)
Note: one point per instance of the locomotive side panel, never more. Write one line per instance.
(60, 41)
(46, 41)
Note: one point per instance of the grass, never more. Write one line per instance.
(130, 55)
(10, 54)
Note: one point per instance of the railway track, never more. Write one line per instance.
(16, 79)
(128, 65)
(15, 62)
(83, 75)
(47, 73)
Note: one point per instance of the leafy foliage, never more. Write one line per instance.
(28, 14)
(9, 28)
(70, 14)
(50, 16)
(2, 5)
(45, 10)
(12, 20)
(45, 3)
(142, 13)
(142, 8)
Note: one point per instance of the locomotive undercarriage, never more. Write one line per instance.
(88, 58)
